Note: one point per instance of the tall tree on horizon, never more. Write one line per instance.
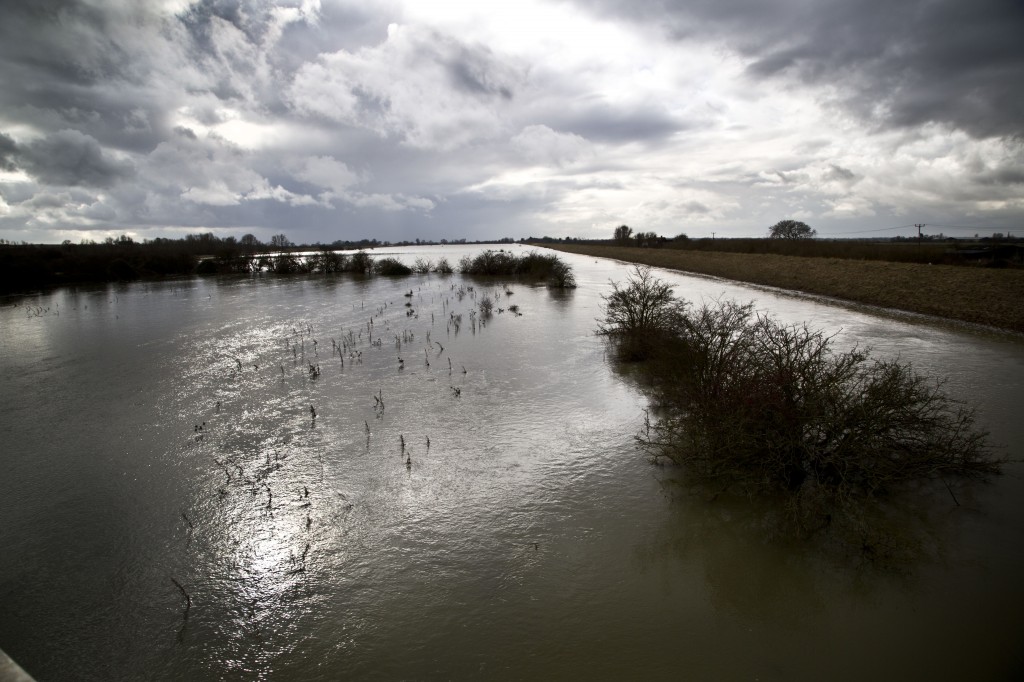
(791, 229)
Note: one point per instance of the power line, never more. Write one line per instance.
(977, 228)
(880, 229)
(974, 227)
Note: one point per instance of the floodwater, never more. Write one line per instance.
(158, 435)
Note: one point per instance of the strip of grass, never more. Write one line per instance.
(980, 295)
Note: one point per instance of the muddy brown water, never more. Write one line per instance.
(531, 539)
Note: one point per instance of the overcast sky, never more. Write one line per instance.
(331, 119)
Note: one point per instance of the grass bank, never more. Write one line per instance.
(979, 295)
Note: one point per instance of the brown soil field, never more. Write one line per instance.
(987, 296)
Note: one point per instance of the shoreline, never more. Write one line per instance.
(983, 296)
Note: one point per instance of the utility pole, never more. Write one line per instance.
(919, 236)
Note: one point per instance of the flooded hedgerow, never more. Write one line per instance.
(533, 266)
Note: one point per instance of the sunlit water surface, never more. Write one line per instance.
(530, 539)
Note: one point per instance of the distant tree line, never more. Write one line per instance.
(31, 266)
(795, 238)
(25, 266)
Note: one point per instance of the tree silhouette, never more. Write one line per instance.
(791, 229)
(622, 235)
(249, 242)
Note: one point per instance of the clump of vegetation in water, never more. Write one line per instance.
(422, 266)
(754, 405)
(360, 262)
(486, 306)
(533, 266)
(285, 264)
(391, 267)
(328, 261)
(642, 316)
(443, 267)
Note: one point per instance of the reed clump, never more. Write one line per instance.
(486, 306)
(750, 404)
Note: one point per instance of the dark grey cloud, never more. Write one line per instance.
(45, 200)
(185, 132)
(251, 18)
(73, 65)
(839, 173)
(338, 26)
(896, 64)
(604, 122)
(70, 158)
(8, 150)
(334, 27)
(472, 68)
(69, 41)
(1002, 176)
(116, 71)
(472, 71)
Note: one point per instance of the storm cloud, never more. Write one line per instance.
(900, 64)
(332, 119)
(68, 158)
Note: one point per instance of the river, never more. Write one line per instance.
(172, 508)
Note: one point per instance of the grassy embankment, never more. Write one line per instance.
(986, 296)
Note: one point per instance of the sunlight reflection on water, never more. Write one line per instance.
(530, 538)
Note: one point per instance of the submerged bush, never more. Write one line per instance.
(764, 407)
(391, 267)
(533, 266)
(286, 264)
(422, 266)
(561, 276)
(360, 262)
(328, 261)
(443, 267)
(640, 314)
(490, 263)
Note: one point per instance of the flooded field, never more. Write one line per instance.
(322, 478)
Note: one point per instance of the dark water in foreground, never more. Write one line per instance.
(530, 540)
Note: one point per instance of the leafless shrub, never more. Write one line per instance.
(762, 407)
